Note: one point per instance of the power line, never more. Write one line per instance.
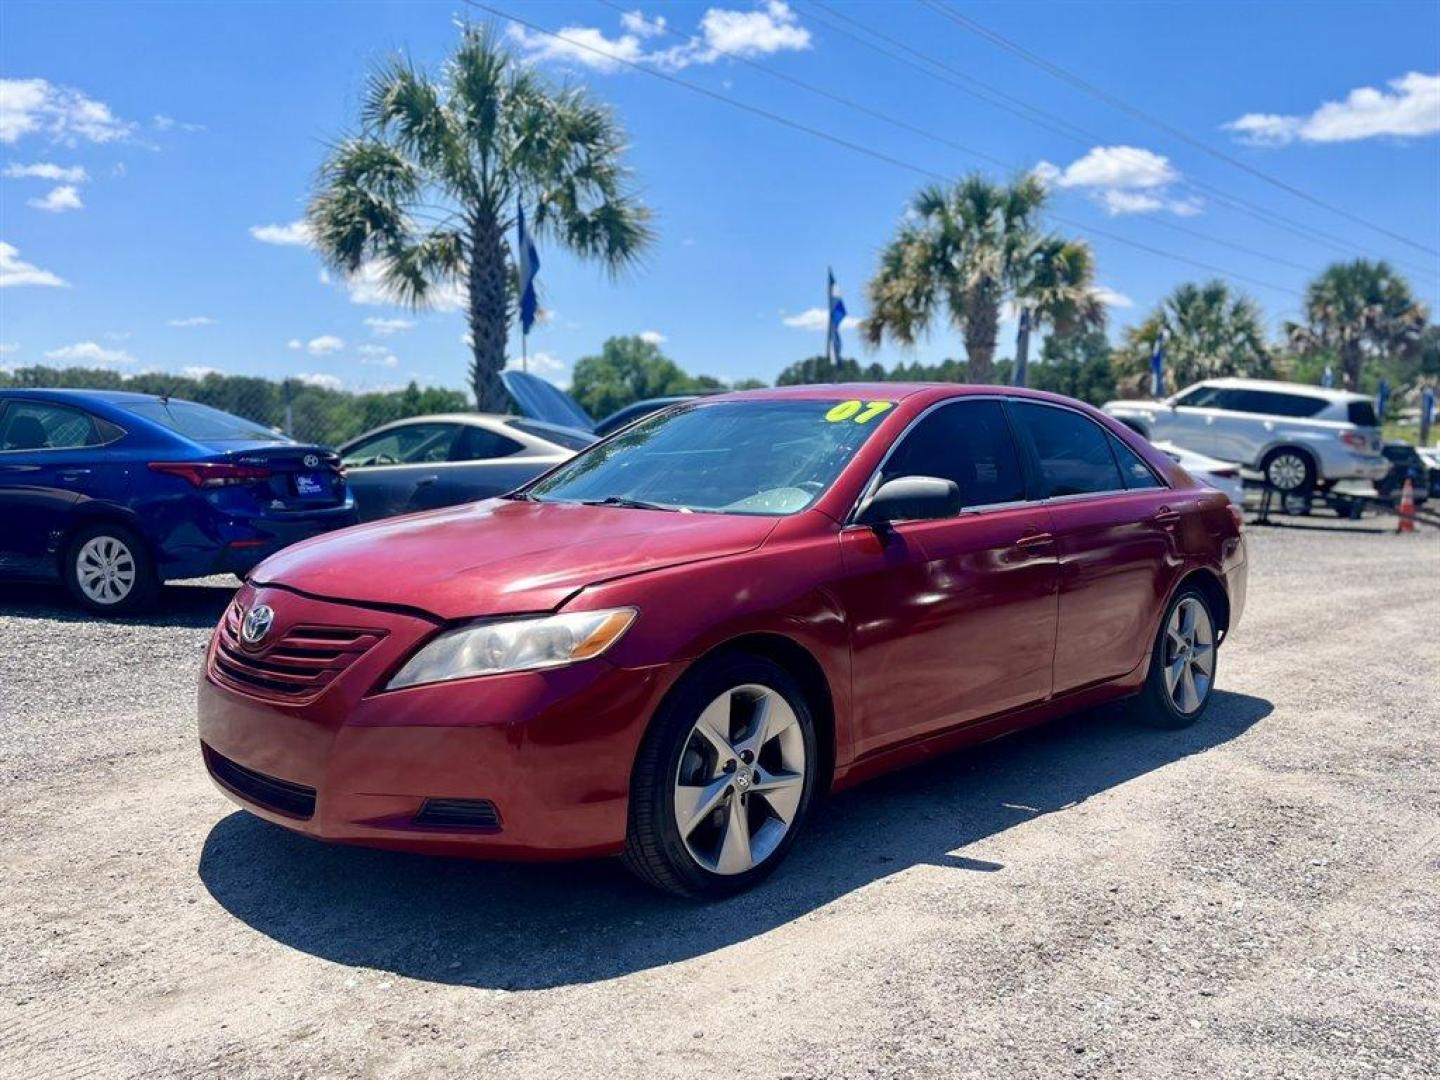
(1116, 102)
(905, 125)
(1052, 122)
(858, 148)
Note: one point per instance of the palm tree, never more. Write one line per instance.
(1056, 288)
(425, 195)
(1210, 330)
(963, 247)
(1356, 310)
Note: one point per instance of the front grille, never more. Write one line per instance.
(281, 796)
(459, 814)
(296, 668)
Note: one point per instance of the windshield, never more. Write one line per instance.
(202, 423)
(733, 457)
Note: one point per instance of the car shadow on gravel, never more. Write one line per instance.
(532, 926)
(196, 603)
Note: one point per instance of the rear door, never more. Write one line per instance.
(50, 460)
(1114, 523)
(953, 620)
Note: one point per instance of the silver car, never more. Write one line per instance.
(426, 462)
(1301, 437)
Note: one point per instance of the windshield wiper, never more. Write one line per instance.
(629, 504)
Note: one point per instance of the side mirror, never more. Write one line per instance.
(911, 498)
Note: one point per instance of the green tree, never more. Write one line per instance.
(1210, 330)
(631, 369)
(821, 369)
(963, 248)
(1356, 312)
(1056, 286)
(1077, 366)
(426, 192)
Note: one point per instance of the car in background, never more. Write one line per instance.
(114, 493)
(1221, 475)
(1431, 456)
(637, 410)
(426, 462)
(542, 400)
(1300, 437)
(1405, 464)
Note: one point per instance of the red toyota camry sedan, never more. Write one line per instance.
(670, 646)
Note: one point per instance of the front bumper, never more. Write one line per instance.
(552, 751)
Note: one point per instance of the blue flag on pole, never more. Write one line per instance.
(1157, 366)
(529, 265)
(1328, 379)
(836, 308)
(1382, 399)
(1427, 406)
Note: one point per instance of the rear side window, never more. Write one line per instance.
(1362, 413)
(968, 442)
(1133, 468)
(481, 444)
(38, 425)
(1270, 402)
(1073, 453)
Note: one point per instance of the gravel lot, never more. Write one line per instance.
(1257, 896)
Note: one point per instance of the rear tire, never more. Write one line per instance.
(1289, 471)
(733, 753)
(1181, 680)
(109, 571)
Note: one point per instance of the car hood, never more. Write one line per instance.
(501, 556)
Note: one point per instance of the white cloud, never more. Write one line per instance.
(367, 286)
(193, 320)
(386, 327)
(1112, 167)
(1124, 180)
(60, 199)
(1112, 297)
(90, 352)
(15, 271)
(295, 234)
(323, 381)
(380, 358)
(7, 347)
(539, 363)
(325, 343)
(815, 319)
(166, 123)
(294, 343)
(1411, 109)
(652, 337)
(37, 106)
(198, 371)
(772, 28)
(45, 170)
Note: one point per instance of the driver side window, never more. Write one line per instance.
(413, 444)
(968, 442)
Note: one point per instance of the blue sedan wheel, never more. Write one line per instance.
(108, 570)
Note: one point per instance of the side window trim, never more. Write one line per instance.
(95, 421)
(1028, 451)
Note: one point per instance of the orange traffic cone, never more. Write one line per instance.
(1407, 508)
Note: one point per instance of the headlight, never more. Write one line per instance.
(489, 648)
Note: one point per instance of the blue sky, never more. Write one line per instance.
(153, 154)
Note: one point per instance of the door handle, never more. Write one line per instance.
(426, 481)
(1034, 538)
(1166, 516)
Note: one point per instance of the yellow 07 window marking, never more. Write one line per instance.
(862, 412)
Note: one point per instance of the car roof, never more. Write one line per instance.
(1302, 389)
(474, 419)
(113, 396)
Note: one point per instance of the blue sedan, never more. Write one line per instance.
(114, 492)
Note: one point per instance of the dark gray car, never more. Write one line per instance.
(426, 462)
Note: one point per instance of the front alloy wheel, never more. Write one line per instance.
(723, 780)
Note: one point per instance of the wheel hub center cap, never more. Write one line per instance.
(743, 779)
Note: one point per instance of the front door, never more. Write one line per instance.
(952, 620)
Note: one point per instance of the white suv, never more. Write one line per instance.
(1299, 436)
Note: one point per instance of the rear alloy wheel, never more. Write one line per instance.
(1182, 667)
(1289, 471)
(724, 780)
(108, 570)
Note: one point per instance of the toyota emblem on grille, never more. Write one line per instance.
(312, 461)
(256, 624)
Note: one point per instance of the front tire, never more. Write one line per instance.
(724, 780)
(1182, 664)
(108, 570)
